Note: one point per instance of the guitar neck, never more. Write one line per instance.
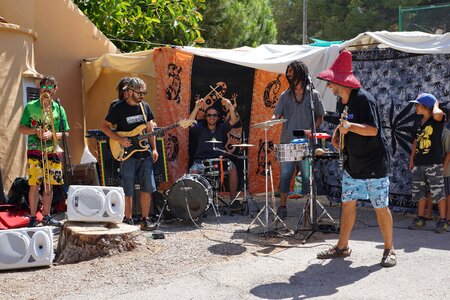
(158, 131)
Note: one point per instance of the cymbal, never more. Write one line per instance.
(242, 145)
(214, 141)
(269, 123)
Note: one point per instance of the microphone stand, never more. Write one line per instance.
(65, 146)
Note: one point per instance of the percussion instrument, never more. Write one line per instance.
(269, 123)
(242, 145)
(297, 150)
(190, 196)
(214, 141)
(212, 167)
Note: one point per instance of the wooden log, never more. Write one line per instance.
(80, 241)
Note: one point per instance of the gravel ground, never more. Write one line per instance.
(185, 248)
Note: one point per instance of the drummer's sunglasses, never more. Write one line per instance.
(212, 115)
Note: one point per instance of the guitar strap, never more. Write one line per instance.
(143, 112)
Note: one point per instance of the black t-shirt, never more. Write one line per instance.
(367, 156)
(128, 117)
(202, 134)
(429, 143)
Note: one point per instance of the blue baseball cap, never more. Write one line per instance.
(425, 99)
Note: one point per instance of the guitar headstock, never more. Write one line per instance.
(186, 123)
(344, 114)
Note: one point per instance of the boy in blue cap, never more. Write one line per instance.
(426, 161)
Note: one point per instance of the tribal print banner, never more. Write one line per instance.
(173, 93)
(268, 88)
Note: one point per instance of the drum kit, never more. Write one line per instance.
(193, 194)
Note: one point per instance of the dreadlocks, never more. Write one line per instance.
(300, 71)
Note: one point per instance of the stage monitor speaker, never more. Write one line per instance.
(87, 203)
(26, 248)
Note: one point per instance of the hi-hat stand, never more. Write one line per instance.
(266, 209)
(309, 212)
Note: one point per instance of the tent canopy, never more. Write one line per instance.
(275, 58)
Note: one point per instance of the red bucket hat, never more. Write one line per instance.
(341, 71)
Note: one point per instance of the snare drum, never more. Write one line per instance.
(295, 151)
(212, 167)
(190, 196)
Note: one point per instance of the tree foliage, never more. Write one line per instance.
(236, 23)
(135, 25)
(337, 20)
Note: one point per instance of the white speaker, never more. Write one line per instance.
(88, 203)
(26, 248)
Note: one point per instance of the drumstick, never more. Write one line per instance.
(218, 93)
(221, 169)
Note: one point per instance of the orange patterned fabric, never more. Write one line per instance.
(267, 89)
(173, 92)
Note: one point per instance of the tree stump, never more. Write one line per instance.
(80, 241)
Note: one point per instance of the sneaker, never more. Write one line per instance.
(389, 258)
(33, 222)
(50, 221)
(441, 226)
(236, 206)
(418, 223)
(282, 212)
(128, 221)
(147, 225)
(334, 252)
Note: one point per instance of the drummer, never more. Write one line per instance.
(211, 128)
(295, 106)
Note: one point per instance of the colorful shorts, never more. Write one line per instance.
(51, 169)
(374, 189)
(428, 179)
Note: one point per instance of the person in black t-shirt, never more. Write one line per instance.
(210, 128)
(126, 116)
(367, 164)
(426, 161)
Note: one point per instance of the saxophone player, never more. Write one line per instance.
(40, 121)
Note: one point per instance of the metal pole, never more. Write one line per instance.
(305, 22)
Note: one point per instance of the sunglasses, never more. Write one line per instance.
(212, 115)
(140, 93)
(49, 87)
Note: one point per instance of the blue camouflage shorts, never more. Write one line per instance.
(374, 189)
(428, 179)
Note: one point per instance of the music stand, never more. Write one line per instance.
(266, 125)
(309, 208)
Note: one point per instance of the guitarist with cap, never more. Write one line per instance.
(126, 116)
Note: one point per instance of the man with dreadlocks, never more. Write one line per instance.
(295, 106)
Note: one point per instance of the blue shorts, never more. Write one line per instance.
(374, 189)
(140, 169)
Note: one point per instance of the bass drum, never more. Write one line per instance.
(190, 196)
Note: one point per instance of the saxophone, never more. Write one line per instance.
(344, 116)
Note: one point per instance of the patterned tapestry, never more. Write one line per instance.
(394, 78)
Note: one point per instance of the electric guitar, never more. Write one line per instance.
(344, 117)
(138, 139)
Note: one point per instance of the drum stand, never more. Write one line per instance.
(265, 223)
(309, 212)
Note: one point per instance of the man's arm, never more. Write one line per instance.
(413, 155)
(197, 106)
(233, 116)
(361, 129)
(106, 128)
(152, 141)
(438, 114)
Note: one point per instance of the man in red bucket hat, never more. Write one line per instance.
(366, 166)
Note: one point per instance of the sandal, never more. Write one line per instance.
(389, 258)
(334, 252)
